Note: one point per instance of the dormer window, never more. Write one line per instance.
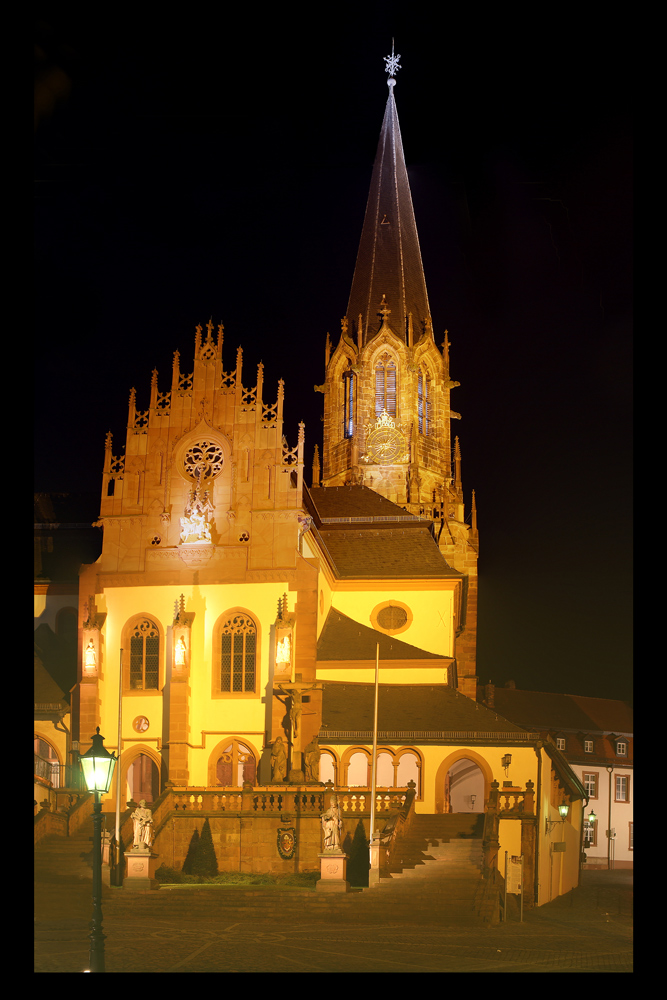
(560, 742)
(621, 748)
(588, 746)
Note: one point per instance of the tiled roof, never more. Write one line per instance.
(542, 710)
(603, 752)
(386, 553)
(354, 501)
(435, 708)
(342, 638)
(366, 536)
(575, 719)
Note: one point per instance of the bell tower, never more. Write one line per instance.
(387, 413)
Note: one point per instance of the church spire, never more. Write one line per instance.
(389, 263)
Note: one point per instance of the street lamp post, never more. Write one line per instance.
(98, 767)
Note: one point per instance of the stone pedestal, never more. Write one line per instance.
(140, 870)
(333, 869)
(376, 860)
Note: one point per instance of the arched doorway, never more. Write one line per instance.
(464, 787)
(143, 779)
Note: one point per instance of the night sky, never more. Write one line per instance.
(202, 165)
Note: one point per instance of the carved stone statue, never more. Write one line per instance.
(143, 827)
(278, 760)
(311, 757)
(295, 694)
(90, 656)
(332, 826)
(283, 650)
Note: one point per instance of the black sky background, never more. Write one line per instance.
(217, 165)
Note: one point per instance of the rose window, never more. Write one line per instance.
(204, 459)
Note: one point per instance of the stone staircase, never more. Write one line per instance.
(435, 878)
(439, 862)
(67, 861)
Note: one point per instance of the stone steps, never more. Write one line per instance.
(440, 863)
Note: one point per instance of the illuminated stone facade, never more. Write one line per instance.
(235, 615)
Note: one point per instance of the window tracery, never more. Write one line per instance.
(238, 651)
(144, 655)
(205, 457)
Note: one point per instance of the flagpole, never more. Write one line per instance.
(375, 745)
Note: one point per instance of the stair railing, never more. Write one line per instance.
(396, 828)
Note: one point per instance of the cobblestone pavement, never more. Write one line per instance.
(227, 930)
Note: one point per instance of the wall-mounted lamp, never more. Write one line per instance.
(472, 801)
(506, 761)
(563, 810)
(591, 818)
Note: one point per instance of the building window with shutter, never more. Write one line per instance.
(385, 386)
(590, 781)
(238, 654)
(622, 788)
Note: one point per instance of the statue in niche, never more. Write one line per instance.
(278, 760)
(311, 757)
(142, 819)
(180, 652)
(90, 656)
(283, 650)
(197, 509)
(332, 826)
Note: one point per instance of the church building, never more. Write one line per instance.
(231, 632)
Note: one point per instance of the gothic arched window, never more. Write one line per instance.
(348, 407)
(238, 653)
(144, 655)
(235, 765)
(424, 401)
(385, 386)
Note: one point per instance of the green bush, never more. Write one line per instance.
(304, 880)
(200, 859)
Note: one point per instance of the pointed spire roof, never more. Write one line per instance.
(389, 260)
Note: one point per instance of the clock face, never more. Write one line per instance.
(385, 445)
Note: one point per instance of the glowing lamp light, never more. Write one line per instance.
(563, 811)
(98, 766)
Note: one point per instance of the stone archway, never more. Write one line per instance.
(142, 778)
(460, 776)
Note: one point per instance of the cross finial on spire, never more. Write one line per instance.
(392, 65)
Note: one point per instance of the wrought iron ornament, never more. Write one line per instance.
(392, 64)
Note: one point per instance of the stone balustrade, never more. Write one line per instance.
(273, 799)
